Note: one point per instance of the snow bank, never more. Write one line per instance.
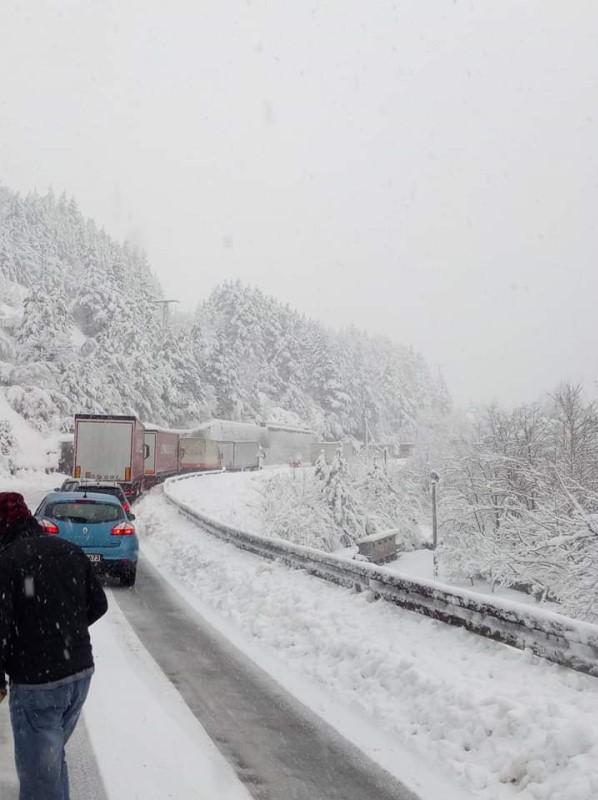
(419, 564)
(33, 485)
(236, 501)
(558, 638)
(501, 722)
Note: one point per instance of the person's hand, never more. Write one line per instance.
(2, 693)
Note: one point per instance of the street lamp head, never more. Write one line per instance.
(434, 476)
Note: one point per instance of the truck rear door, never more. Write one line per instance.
(104, 449)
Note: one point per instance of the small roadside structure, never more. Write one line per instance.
(379, 548)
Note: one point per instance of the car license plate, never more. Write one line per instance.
(94, 557)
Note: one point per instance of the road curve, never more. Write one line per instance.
(279, 748)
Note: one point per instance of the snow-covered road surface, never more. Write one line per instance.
(149, 745)
(499, 721)
(137, 739)
(85, 777)
(7, 776)
(449, 714)
(280, 749)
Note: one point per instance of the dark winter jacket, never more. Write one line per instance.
(49, 595)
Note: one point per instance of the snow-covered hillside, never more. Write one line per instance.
(80, 330)
(26, 448)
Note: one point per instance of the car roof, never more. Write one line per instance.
(71, 497)
(92, 482)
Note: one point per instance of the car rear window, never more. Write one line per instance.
(84, 511)
(115, 491)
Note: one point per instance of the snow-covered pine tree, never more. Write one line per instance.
(8, 445)
(321, 468)
(337, 491)
(44, 334)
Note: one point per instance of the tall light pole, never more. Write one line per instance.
(165, 310)
(434, 477)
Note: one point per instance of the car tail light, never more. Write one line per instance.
(49, 527)
(123, 529)
(126, 507)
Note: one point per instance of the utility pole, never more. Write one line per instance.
(165, 310)
(434, 477)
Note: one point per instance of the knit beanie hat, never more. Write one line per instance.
(13, 508)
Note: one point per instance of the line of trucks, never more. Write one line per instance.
(122, 449)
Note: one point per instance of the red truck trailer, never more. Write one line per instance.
(161, 455)
(110, 448)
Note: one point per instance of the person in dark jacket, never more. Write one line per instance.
(49, 596)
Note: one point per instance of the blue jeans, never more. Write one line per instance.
(43, 718)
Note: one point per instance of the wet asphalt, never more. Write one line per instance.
(279, 748)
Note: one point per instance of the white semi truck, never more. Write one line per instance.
(110, 448)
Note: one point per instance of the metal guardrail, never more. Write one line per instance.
(565, 641)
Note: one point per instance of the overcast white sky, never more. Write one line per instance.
(426, 169)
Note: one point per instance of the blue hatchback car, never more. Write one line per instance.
(99, 525)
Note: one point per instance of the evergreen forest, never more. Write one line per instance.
(81, 331)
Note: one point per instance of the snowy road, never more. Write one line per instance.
(279, 748)
(174, 704)
(167, 687)
(86, 780)
(137, 739)
(444, 707)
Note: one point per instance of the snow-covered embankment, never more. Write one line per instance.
(498, 722)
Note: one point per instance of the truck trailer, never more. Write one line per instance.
(289, 445)
(161, 455)
(197, 453)
(110, 448)
(245, 455)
